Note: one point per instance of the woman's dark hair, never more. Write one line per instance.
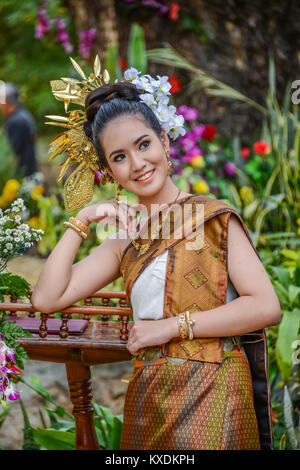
(111, 101)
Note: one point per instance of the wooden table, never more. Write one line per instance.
(102, 342)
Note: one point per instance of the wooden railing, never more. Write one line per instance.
(102, 341)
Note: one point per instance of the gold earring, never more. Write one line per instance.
(118, 193)
(106, 178)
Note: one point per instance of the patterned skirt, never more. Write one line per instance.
(190, 405)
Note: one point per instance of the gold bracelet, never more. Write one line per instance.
(190, 323)
(79, 224)
(182, 326)
(74, 227)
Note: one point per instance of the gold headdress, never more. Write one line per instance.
(78, 187)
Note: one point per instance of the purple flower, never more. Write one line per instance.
(185, 158)
(230, 168)
(13, 395)
(198, 131)
(189, 114)
(187, 141)
(87, 39)
(194, 151)
(173, 151)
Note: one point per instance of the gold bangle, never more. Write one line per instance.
(190, 323)
(79, 224)
(74, 227)
(183, 331)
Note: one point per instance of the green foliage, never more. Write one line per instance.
(112, 63)
(61, 433)
(29, 442)
(293, 432)
(13, 285)
(52, 439)
(8, 163)
(137, 56)
(20, 61)
(11, 332)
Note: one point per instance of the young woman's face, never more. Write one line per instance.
(131, 149)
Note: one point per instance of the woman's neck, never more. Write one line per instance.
(168, 194)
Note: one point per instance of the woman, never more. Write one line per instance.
(191, 393)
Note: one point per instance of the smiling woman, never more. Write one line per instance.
(193, 385)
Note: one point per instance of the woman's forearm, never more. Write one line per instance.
(56, 273)
(242, 315)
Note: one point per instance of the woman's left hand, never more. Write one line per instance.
(150, 333)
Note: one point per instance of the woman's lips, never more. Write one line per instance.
(147, 179)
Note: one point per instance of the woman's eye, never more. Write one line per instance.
(145, 142)
(121, 155)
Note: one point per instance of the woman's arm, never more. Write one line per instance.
(257, 307)
(61, 283)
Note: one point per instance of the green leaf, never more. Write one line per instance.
(137, 56)
(288, 331)
(112, 63)
(53, 439)
(116, 430)
(290, 254)
(283, 275)
(293, 293)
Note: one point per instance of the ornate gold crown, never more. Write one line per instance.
(79, 186)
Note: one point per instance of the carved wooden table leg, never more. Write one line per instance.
(79, 379)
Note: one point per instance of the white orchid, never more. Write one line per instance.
(157, 98)
(148, 98)
(131, 74)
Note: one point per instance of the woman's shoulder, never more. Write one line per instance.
(121, 242)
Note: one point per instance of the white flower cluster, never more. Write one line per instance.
(156, 97)
(14, 236)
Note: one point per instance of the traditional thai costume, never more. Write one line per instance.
(205, 393)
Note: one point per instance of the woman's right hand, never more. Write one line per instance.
(109, 212)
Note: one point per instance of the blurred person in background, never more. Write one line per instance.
(20, 128)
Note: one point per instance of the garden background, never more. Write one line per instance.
(232, 67)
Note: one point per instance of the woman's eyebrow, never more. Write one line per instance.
(135, 142)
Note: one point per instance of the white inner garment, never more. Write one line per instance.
(147, 294)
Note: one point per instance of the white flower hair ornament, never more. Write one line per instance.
(156, 96)
(79, 148)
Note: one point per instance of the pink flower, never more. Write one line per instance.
(10, 354)
(97, 176)
(189, 114)
(198, 131)
(11, 393)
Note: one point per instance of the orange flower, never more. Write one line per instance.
(261, 147)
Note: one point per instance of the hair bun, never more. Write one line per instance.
(124, 90)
